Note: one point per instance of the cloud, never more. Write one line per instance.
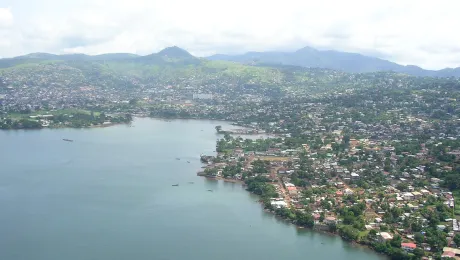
(420, 32)
(6, 18)
(6, 22)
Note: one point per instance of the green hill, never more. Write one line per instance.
(177, 67)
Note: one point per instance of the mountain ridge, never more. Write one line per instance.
(168, 55)
(330, 59)
(307, 57)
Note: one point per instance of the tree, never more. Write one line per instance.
(418, 252)
(307, 193)
(349, 232)
(380, 247)
(321, 217)
(402, 186)
(398, 254)
(436, 239)
(396, 241)
(452, 181)
(325, 204)
(383, 228)
(29, 124)
(457, 239)
(349, 218)
(267, 204)
(419, 238)
(373, 232)
(332, 227)
(305, 219)
(416, 226)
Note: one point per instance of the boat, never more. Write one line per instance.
(210, 190)
(188, 161)
(175, 185)
(67, 140)
(177, 158)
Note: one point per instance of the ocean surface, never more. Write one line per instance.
(109, 195)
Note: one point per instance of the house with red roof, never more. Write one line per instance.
(292, 190)
(408, 246)
(448, 254)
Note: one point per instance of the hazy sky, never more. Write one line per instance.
(418, 32)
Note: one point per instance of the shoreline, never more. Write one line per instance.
(268, 135)
(115, 124)
(66, 127)
(223, 179)
(299, 227)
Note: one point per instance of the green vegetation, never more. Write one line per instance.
(456, 194)
(354, 154)
(63, 118)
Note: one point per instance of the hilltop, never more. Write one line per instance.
(175, 52)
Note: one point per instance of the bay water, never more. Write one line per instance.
(109, 195)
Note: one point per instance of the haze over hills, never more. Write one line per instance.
(306, 57)
(344, 61)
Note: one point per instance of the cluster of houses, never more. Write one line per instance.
(336, 174)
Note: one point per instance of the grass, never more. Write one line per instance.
(362, 234)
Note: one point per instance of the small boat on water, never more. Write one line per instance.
(67, 140)
(188, 161)
(177, 158)
(210, 190)
(175, 185)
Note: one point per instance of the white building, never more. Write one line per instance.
(279, 204)
(384, 236)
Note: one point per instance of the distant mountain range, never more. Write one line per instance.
(305, 57)
(166, 56)
(344, 61)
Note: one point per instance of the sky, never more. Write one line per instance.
(419, 32)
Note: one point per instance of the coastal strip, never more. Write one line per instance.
(291, 187)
